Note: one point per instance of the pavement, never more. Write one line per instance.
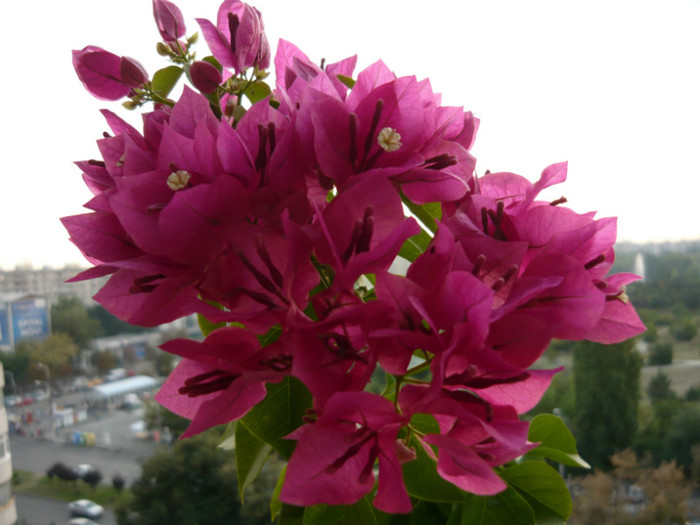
(122, 453)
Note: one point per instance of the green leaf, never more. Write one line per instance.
(291, 515)
(426, 213)
(228, 441)
(251, 455)
(414, 246)
(425, 423)
(272, 335)
(279, 414)
(214, 62)
(541, 486)
(423, 481)
(555, 439)
(505, 507)
(257, 91)
(287, 514)
(430, 513)
(358, 513)
(275, 503)
(349, 82)
(206, 326)
(164, 80)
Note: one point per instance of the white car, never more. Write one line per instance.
(82, 521)
(85, 508)
(83, 469)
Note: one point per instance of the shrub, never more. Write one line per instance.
(661, 354)
(685, 329)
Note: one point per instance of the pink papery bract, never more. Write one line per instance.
(333, 462)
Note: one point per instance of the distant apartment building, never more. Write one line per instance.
(8, 509)
(50, 283)
(23, 316)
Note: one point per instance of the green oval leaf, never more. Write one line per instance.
(214, 62)
(414, 246)
(427, 213)
(275, 503)
(206, 326)
(278, 414)
(257, 91)
(164, 80)
(360, 512)
(555, 439)
(505, 507)
(423, 481)
(251, 455)
(541, 486)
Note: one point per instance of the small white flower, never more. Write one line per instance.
(389, 139)
(178, 180)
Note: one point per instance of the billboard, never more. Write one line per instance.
(30, 319)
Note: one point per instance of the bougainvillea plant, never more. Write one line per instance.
(372, 309)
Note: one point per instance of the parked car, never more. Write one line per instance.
(82, 521)
(80, 384)
(27, 399)
(85, 508)
(83, 469)
(40, 395)
(13, 401)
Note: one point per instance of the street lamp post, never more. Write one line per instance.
(48, 384)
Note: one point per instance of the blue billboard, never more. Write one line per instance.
(30, 319)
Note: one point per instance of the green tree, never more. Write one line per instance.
(194, 482)
(16, 363)
(104, 361)
(69, 316)
(606, 386)
(56, 351)
(660, 388)
(661, 354)
(693, 393)
(685, 329)
(683, 435)
(109, 324)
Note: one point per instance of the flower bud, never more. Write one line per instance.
(100, 73)
(132, 73)
(238, 40)
(205, 76)
(163, 49)
(169, 20)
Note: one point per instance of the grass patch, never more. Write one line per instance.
(24, 482)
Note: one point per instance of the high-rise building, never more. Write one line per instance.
(8, 509)
(50, 283)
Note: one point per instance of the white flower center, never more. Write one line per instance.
(178, 180)
(389, 139)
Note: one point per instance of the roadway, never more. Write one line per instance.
(122, 454)
(32, 510)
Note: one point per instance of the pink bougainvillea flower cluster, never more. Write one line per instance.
(285, 217)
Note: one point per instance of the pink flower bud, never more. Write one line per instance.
(132, 73)
(100, 73)
(205, 76)
(169, 20)
(238, 40)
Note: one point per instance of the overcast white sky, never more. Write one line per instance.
(611, 86)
